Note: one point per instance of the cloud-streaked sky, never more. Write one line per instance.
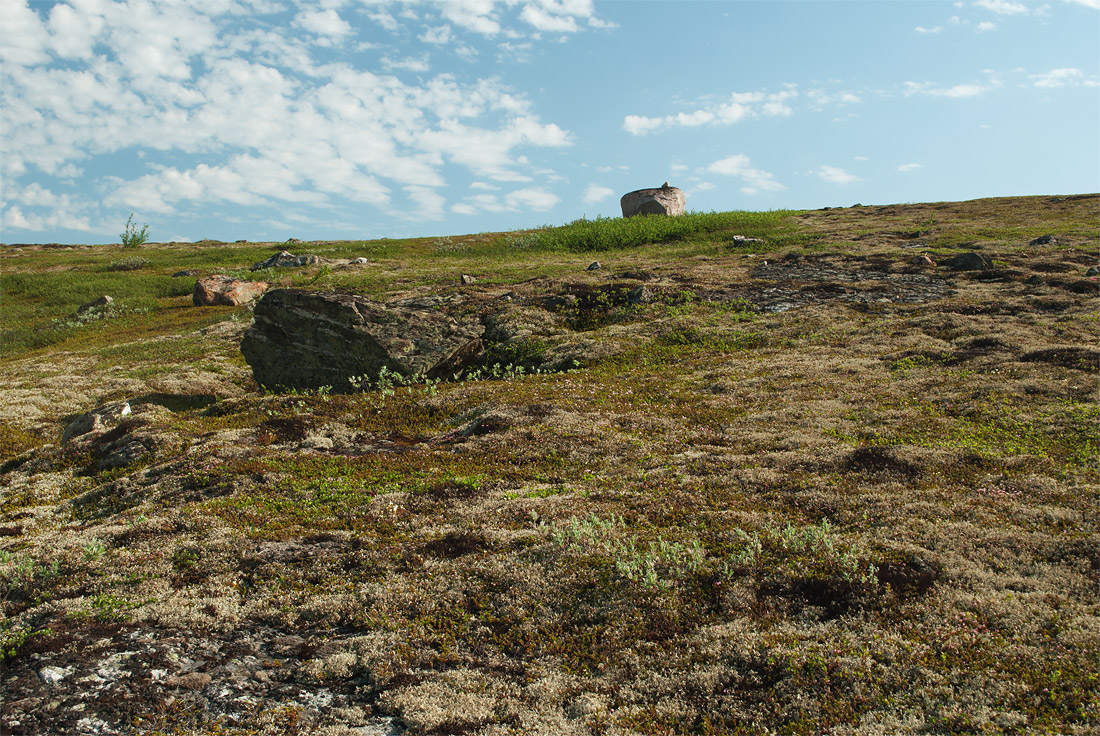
(271, 119)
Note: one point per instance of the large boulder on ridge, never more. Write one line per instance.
(667, 200)
(308, 340)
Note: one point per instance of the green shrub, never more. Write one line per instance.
(131, 236)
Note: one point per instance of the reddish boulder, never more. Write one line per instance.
(219, 289)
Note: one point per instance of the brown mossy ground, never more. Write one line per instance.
(797, 486)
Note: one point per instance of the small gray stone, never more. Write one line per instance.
(53, 675)
(1034, 280)
(184, 273)
(102, 301)
(639, 295)
(360, 261)
(594, 266)
(1044, 240)
(921, 261)
(467, 279)
(968, 262)
(1093, 271)
(96, 420)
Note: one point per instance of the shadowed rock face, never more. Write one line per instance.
(307, 340)
(666, 200)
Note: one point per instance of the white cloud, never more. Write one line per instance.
(175, 77)
(410, 65)
(921, 29)
(755, 180)
(835, 175)
(640, 125)
(473, 15)
(959, 90)
(1002, 7)
(323, 23)
(986, 26)
(436, 35)
(906, 168)
(1087, 3)
(1066, 77)
(384, 19)
(429, 203)
(740, 106)
(532, 198)
(595, 193)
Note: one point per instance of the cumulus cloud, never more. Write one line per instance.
(835, 175)
(932, 90)
(906, 168)
(323, 23)
(596, 193)
(755, 180)
(921, 29)
(986, 26)
(1065, 77)
(248, 112)
(735, 108)
(532, 198)
(1002, 7)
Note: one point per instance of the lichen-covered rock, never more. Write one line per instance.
(286, 259)
(97, 420)
(225, 290)
(666, 200)
(308, 340)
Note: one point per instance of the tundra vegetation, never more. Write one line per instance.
(758, 473)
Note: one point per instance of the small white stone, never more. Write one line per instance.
(54, 675)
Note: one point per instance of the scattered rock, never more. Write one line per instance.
(1035, 280)
(921, 261)
(968, 262)
(189, 681)
(293, 241)
(53, 675)
(360, 261)
(1093, 271)
(1044, 240)
(97, 420)
(467, 279)
(225, 290)
(286, 259)
(594, 266)
(102, 301)
(185, 273)
(307, 340)
(640, 295)
(667, 200)
(742, 240)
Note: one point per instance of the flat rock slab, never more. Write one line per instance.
(308, 340)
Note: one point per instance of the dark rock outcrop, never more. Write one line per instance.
(308, 340)
(666, 200)
(968, 262)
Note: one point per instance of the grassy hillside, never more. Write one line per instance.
(758, 473)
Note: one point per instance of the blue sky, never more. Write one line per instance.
(348, 119)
